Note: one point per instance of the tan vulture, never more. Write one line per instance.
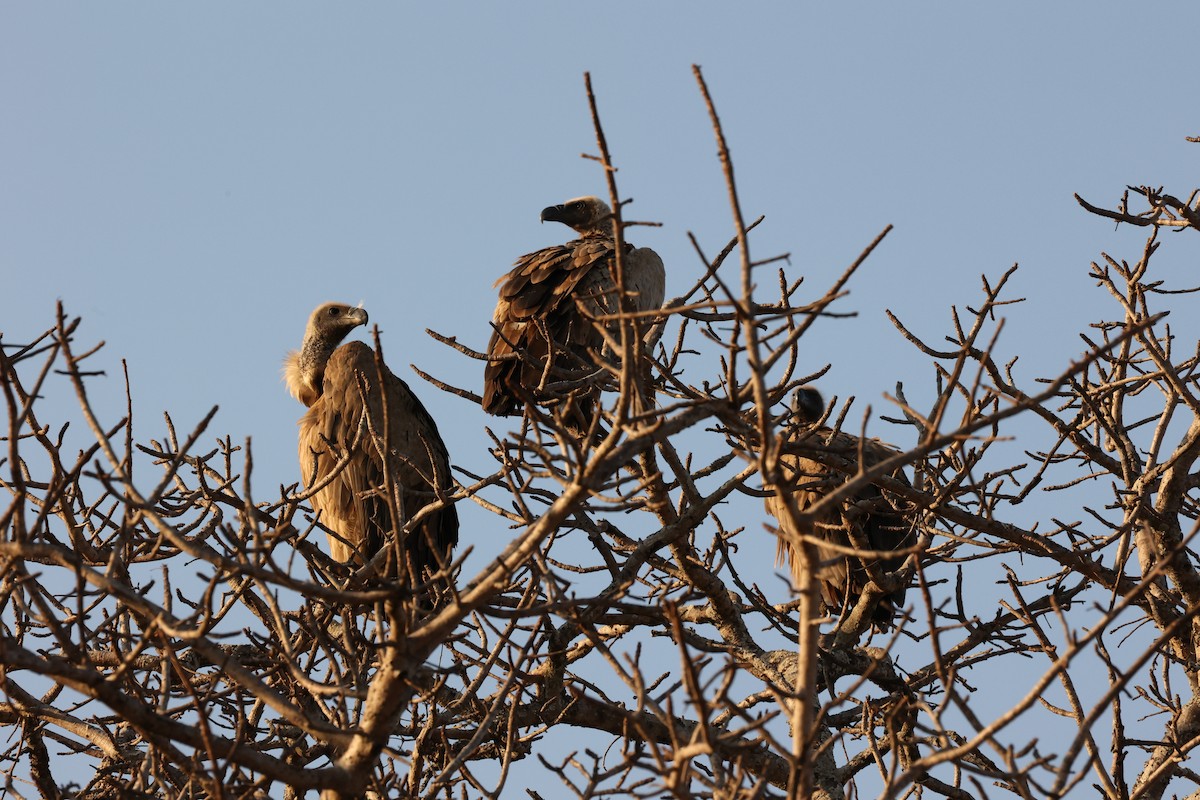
(537, 313)
(347, 420)
(877, 518)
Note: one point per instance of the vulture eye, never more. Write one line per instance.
(577, 206)
(333, 312)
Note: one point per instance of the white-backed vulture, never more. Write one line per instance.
(538, 315)
(392, 449)
(877, 519)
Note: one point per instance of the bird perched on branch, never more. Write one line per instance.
(371, 451)
(869, 519)
(543, 323)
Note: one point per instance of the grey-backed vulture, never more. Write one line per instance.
(538, 316)
(393, 449)
(876, 519)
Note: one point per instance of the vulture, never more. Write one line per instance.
(361, 414)
(547, 299)
(877, 519)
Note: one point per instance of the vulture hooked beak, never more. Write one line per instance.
(553, 213)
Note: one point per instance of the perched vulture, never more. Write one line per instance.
(877, 518)
(539, 317)
(394, 449)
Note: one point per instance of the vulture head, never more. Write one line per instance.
(807, 405)
(304, 369)
(585, 215)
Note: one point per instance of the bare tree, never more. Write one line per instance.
(163, 633)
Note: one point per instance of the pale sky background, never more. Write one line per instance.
(193, 180)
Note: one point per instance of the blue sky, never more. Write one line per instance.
(193, 181)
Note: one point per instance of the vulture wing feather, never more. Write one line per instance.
(843, 578)
(396, 448)
(537, 308)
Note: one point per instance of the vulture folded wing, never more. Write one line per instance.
(875, 520)
(392, 449)
(536, 313)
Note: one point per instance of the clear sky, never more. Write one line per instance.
(194, 179)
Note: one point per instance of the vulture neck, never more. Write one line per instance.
(305, 369)
(601, 230)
